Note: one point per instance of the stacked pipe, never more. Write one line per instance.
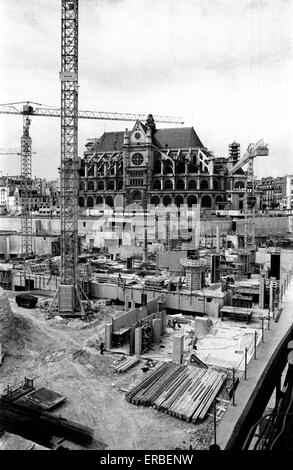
(182, 391)
(124, 366)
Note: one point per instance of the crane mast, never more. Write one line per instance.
(69, 298)
(249, 208)
(26, 176)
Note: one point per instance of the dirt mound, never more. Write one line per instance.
(7, 319)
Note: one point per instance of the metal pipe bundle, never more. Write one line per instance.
(186, 392)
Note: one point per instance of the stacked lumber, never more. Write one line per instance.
(124, 366)
(182, 391)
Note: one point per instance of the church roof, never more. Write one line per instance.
(110, 141)
(178, 137)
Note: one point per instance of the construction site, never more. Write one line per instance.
(153, 313)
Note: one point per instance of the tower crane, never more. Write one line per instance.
(68, 297)
(26, 220)
(253, 150)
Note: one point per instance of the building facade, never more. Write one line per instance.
(160, 167)
(275, 193)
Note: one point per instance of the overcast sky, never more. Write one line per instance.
(225, 66)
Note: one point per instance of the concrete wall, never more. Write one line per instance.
(90, 227)
(171, 259)
(136, 315)
(40, 246)
(43, 282)
(277, 226)
(179, 301)
(208, 226)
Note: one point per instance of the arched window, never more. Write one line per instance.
(120, 185)
(168, 168)
(216, 184)
(206, 202)
(191, 201)
(82, 186)
(179, 201)
(109, 201)
(239, 185)
(155, 200)
(192, 184)
(157, 185)
(180, 184)
(220, 203)
(167, 200)
(81, 201)
(90, 171)
(168, 185)
(90, 201)
(204, 184)
(157, 165)
(100, 200)
(111, 186)
(91, 186)
(101, 186)
(136, 196)
(180, 167)
(192, 168)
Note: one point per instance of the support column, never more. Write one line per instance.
(126, 303)
(138, 341)
(261, 291)
(163, 322)
(218, 244)
(156, 323)
(1, 354)
(178, 344)
(271, 301)
(108, 335)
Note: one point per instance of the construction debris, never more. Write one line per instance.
(182, 391)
